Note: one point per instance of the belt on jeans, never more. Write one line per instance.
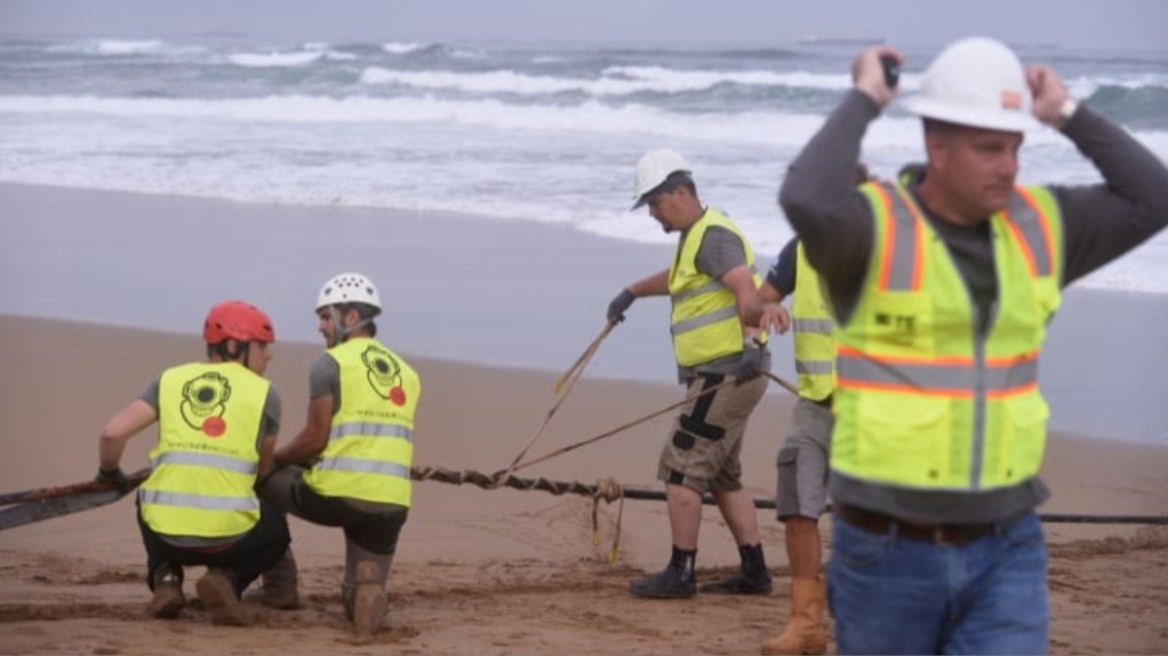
(942, 534)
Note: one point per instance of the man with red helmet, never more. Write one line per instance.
(350, 465)
(217, 425)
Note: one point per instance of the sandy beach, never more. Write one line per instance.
(101, 290)
(487, 572)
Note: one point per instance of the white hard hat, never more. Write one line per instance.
(977, 82)
(652, 170)
(348, 288)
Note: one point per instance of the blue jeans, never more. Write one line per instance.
(895, 596)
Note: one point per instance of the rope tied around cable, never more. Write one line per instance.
(608, 490)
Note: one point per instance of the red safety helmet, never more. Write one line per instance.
(237, 320)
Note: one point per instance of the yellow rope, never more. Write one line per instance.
(608, 490)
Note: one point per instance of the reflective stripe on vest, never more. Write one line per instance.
(704, 289)
(367, 466)
(370, 447)
(369, 429)
(704, 319)
(199, 501)
(205, 460)
(814, 367)
(204, 466)
(707, 319)
(814, 333)
(818, 326)
(954, 377)
(923, 401)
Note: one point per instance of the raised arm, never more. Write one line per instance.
(819, 194)
(1103, 221)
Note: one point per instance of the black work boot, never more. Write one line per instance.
(676, 581)
(752, 578)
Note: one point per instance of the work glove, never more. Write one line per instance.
(117, 477)
(616, 309)
(750, 365)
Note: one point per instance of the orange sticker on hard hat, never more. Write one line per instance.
(1011, 100)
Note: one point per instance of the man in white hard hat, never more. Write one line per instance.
(350, 464)
(942, 284)
(710, 283)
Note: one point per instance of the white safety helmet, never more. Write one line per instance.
(348, 288)
(977, 82)
(653, 168)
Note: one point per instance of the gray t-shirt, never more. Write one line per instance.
(1100, 221)
(324, 379)
(720, 252)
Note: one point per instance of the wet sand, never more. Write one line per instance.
(478, 571)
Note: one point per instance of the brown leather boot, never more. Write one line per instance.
(220, 599)
(369, 599)
(279, 587)
(806, 633)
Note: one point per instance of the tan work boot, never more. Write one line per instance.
(168, 598)
(369, 600)
(806, 632)
(219, 599)
(279, 585)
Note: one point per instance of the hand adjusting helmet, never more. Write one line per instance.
(977, 82)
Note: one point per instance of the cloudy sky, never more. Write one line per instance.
(1088, 24)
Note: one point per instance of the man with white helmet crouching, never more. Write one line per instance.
(350, 464)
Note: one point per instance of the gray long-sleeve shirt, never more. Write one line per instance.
(1101, 222)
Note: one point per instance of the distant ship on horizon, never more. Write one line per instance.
(818, 39)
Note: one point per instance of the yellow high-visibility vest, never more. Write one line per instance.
(205, 464)
(922, 400)
(371, 442)
(704, 321)
(814, 332)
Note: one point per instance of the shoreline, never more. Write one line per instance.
(498, 292)
(512, 369)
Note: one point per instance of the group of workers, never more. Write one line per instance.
(219, 489)
(920, 309)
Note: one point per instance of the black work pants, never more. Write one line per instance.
(243, 560)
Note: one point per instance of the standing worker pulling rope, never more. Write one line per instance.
(710, 282)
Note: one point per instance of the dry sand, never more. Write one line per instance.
(486, 572)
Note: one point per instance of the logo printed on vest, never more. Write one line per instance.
(383, 372)
(204, 402)
(905, 323)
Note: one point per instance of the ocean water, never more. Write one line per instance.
(523, 133)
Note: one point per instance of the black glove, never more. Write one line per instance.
(616, 309)
(750, 366)
(117, 477)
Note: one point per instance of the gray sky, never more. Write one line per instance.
(1088, 24)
